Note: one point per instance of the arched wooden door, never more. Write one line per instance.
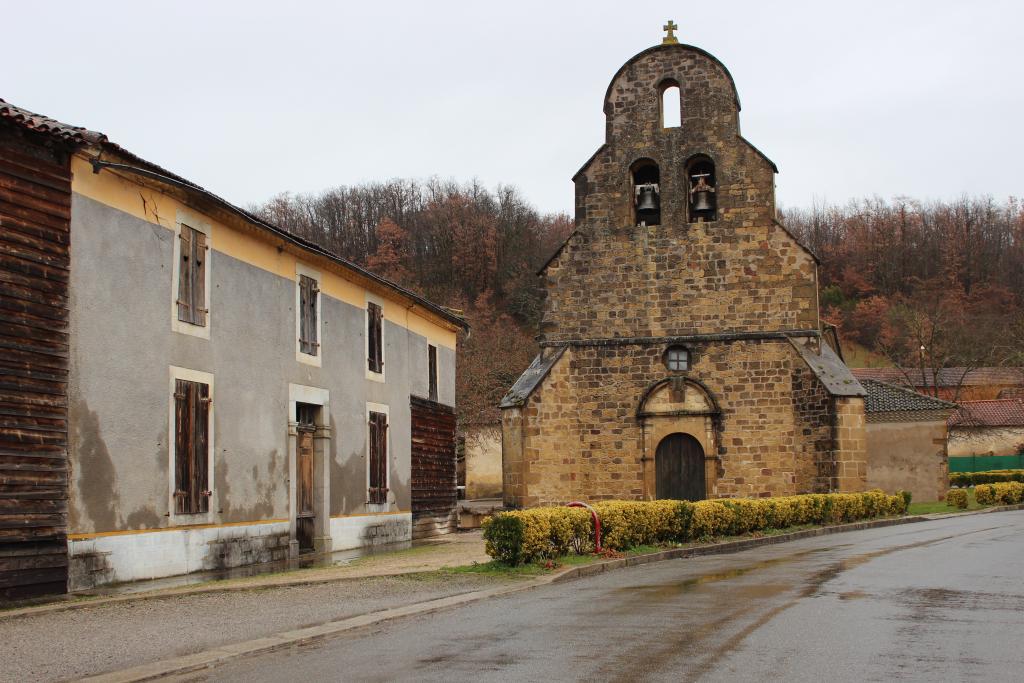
(679, 468)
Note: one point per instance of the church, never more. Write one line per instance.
(682, 351)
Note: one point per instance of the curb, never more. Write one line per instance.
(312, 634)
(197, 589)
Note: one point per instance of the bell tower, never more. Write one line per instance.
(675, 216)
(681, 350)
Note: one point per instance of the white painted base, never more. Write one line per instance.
(151, 555)
(363, 530)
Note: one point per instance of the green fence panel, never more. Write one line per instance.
(986, 463)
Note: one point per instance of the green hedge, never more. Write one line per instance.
(522, 536)
(965, 479)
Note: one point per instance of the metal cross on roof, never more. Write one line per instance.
(670, 39)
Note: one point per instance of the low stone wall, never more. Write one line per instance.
(155, 554)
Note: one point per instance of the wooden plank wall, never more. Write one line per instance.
(434, 509)
(35, 214)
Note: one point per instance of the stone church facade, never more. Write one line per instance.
(682, 352)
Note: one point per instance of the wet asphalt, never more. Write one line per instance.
(940, 600)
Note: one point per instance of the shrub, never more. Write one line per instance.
(957, 498)
(1005, 493)
(521, 536)
(965, 479)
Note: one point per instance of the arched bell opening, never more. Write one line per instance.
(646, 195)
(703, 184)
(671, 103)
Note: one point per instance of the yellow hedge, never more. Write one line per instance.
(957, 498)
(538, 533)
(1007, 493)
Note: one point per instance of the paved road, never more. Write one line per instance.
(58, 646)
(941, 600)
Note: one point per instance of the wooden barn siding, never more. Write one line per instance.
(433, 468)
(35, 214)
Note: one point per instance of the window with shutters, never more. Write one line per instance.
(432, 369)
(191, 447)
(377, 447)
(374, 340)
(190, 295)
(307, 315)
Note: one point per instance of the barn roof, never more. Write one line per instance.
(1005, 412)
(888, 398)
(944, 377)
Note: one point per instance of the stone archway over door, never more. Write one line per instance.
(679, 468)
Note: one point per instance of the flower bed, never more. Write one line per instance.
(522, 536)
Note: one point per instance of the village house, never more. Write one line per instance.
(187, 387)
(907, 440)
(952, 384)
(681, 343)
(987, 435)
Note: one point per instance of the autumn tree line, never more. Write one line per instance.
(918, 284)
(923, 285)
(458, 244)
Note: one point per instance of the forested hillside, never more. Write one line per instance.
(939, 284)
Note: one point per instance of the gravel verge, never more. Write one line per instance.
(72, 644)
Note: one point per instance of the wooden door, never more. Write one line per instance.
(679, 468)
(304, 518)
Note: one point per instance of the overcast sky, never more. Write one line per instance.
(253, 98)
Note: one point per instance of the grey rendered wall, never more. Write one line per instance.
(122, 347)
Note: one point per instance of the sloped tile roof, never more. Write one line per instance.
(830, 370)
(944, 377)
(1005, 412)
(888, 398)
(531, 378)
(44, 124)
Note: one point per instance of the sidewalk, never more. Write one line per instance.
(452, 550)
(132, 626)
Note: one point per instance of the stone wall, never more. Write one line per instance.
(964, 441)
(742, 272)
(581, 438)
(910, 456)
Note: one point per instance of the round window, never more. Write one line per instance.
(677, 359)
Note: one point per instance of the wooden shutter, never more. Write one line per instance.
(308, 292)
(185, 276)
(191, 447)
(432, 362)
(200, 450)
(192, 277)
(199, 279)
(182, 443)
(378, 492)
(374, 325)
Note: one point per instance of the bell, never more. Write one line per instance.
(702, 200)
(647, 201)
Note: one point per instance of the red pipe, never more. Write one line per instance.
(593, 516)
